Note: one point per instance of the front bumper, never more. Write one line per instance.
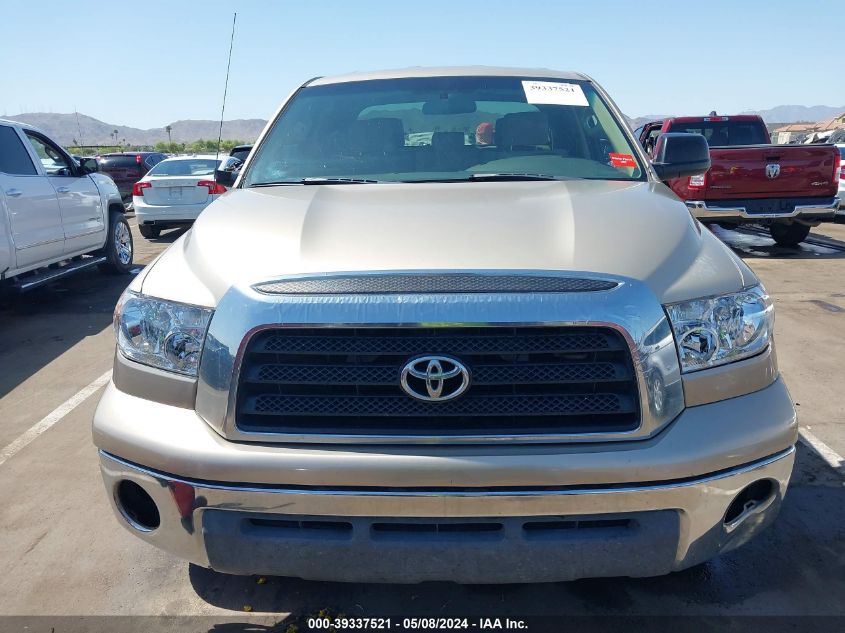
(340, 534)
(635, 508)
(819, 211)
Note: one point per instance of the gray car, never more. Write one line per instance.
(447, 324)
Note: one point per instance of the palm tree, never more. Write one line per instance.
(169, 140)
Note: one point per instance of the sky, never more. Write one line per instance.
(147, 63)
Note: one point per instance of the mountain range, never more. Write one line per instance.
(80, 129)
(72, 129)
(798, 113)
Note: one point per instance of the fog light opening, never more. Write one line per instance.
(136, 506)
(753, 497)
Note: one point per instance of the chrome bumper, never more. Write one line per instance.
(674, 489)
(702, 211)
(680, 524)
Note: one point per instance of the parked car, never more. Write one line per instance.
(176, 190)
(240, 152)
(785, 187)
(841, 148)
(57, 216)
(127, 168)
(398, 350)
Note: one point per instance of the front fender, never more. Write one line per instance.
(7, 249)
(108, 190)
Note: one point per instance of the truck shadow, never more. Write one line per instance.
(793, 567)
(167, 236)
(752, 242)
(40, 325)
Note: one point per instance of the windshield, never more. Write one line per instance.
(240, 153)
(185, 167)
(444, 128)
(120, 162)
(724, 133)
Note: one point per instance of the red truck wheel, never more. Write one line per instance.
(791, 234)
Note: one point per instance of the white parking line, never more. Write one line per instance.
(51, 418)
(833, 459)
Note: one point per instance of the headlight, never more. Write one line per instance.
(719, 330)
(164, 334)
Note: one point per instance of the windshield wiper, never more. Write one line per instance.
(316, 181)
(493, 177)
(514, 176)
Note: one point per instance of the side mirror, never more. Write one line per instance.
(89, 165)
(225, 177)
(677, 154)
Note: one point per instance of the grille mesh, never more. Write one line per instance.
(524, 381)
(405, 406)
(285, 342)
(386, 374)
(445, 283)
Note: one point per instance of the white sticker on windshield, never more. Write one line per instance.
(554, 93)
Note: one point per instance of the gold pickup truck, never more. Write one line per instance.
(447, 324)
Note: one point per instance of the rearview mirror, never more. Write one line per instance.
(451, 104)
(89, 165)
(678, 154)
(225, 177)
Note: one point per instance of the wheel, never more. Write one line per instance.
(149, 231)
(119, 247)
(789, 234)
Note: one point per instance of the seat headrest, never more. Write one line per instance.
(521, 129)
(181, 168)
(718, 138)
(447, 141)
(741, 135)
(377, 135)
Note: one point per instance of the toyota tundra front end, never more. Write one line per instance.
(432, 334)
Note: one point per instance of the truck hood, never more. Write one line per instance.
(636, 230)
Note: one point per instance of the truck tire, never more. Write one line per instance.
(119, 247)
(149, 231)
(789, 234)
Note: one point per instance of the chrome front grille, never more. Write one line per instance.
(525, 381)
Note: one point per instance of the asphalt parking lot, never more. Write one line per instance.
(63, 552)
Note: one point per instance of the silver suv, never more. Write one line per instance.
(448, 325)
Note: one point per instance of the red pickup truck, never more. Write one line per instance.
(789, 188)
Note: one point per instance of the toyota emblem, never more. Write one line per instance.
(434, 378)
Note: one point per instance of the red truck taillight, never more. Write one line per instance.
(838, 169)
(698, 182)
